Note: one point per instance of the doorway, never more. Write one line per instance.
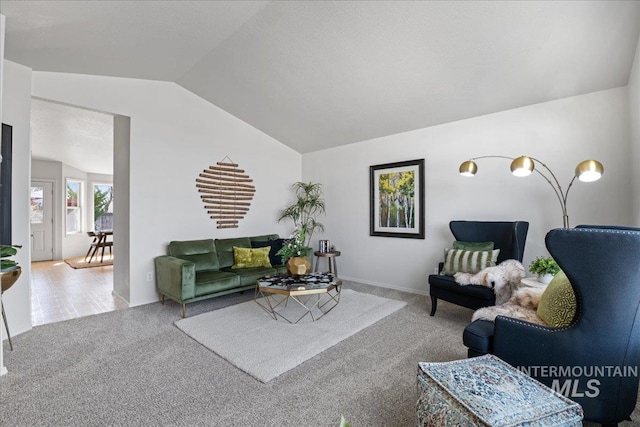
(70, 143)
(41, 220)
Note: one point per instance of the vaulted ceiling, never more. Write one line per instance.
(74, 136)
(318, 74)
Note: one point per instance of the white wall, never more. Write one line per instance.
(122, 192)
(634, 107)
(561, 133)
(16, 112)
(174, 135)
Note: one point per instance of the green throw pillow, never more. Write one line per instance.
(473, 246)
(558, 302)
(461, 261)
(247, 257)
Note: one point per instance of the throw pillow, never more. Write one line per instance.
(461, 261)
(473, 246)
(249, 257)
(557, 306)
(275, 246)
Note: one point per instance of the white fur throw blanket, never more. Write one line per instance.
(522, 305)
(504, 278)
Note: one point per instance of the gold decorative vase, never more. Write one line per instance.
(9, 278)
(299, 266)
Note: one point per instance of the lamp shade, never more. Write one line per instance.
(589, 170)
(468, 168)
(522, 166)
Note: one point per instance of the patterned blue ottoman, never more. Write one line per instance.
(486, 391)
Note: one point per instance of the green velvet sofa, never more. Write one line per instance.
(195, 270)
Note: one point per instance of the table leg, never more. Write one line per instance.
(94, 253)
(6, 326)
(100, 244)
(324, 303)
(333, 266)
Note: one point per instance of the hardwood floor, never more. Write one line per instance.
(59, 292)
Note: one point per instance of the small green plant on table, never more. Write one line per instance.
(544, 265)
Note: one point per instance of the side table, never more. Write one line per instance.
(331, 259)
(532, 282)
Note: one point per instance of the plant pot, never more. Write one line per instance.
(9, 278)
(298, 266)
(545, 278)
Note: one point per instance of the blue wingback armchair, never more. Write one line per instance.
(509, 237)
(603, 266)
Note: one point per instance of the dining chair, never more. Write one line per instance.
(100, 243)
(93, 246)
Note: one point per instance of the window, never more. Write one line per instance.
(102, 207)
(74, 206)
(37, 211)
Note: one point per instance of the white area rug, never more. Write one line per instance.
(250, 339)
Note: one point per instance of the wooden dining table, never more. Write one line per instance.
(100, 243)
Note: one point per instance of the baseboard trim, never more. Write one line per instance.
(117, 295)
(386, 285)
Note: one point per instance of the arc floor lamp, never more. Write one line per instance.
(586, 171)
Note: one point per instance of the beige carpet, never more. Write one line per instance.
(79, 262)
(246, 336)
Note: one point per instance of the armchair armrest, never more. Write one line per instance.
(175, 277)
(544, 345)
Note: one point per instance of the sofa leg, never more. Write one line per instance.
(184, 310)
(434, 305)
(162, 299)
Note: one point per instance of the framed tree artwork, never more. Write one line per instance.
(397, 199)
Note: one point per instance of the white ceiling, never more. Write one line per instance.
(318, 74)
(75, 136)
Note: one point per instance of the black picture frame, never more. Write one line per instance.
(400, 183)
(6, 149)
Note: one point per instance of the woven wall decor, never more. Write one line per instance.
(226, 193)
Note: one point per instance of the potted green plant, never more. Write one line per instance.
(293, 247)
(9, 269)
(545, 268)
(303, 212)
